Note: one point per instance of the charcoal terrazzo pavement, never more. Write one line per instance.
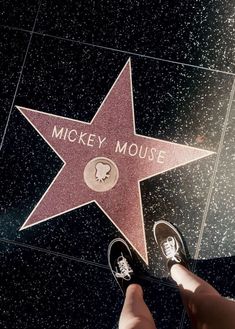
(13, 45)
(55, 274)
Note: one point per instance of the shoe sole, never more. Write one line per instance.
(173, 228)
(108, 253)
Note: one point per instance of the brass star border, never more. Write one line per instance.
(110, 143)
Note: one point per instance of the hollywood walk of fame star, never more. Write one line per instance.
(104, 162)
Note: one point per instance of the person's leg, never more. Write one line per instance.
(135, 313)
(206, 308)
(204, 305)
(188, 281)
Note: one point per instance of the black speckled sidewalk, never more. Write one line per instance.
(62, 59)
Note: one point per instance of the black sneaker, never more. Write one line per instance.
(170, 243)
(121, 263)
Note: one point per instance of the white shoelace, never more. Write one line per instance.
(170, 249)
(124, 268)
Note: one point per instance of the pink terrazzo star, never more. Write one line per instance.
(109, 136)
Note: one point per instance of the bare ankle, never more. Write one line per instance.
(135, 288)
(175, 268)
